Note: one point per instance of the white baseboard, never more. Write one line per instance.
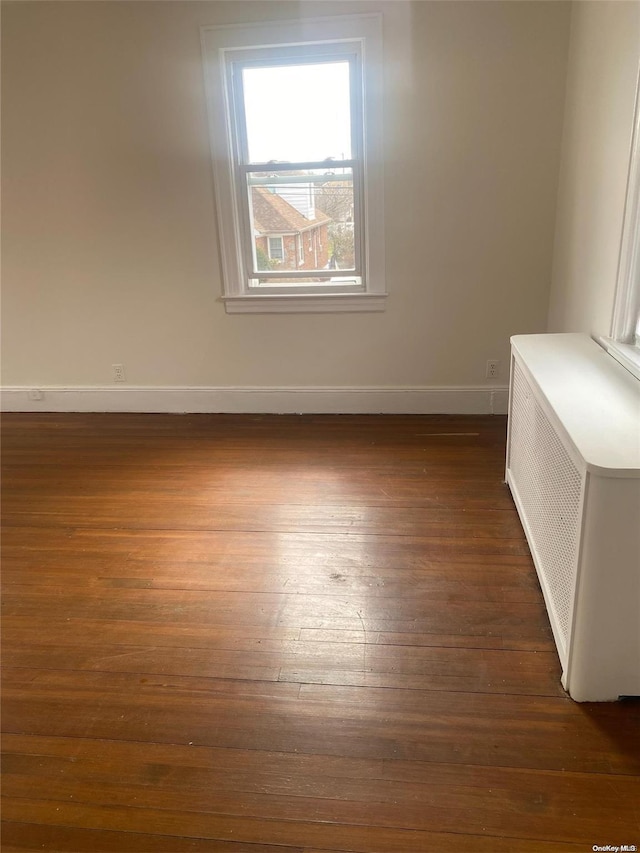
(476, 400)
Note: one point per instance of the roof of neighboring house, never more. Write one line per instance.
(272, 214)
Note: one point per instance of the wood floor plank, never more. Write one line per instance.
(64, 839)
(94, 632)
(431, 668)
(328, 775)
(231, 549)
(432, 796)
(252, 634)
(249, 830)
(331, 611)
(496, 531)
(409, 488)
(460, 583)
(471, 728)
(485, 811)
(446, 592)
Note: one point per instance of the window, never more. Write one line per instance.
(624, 343)
(295, 124)
(276, 251)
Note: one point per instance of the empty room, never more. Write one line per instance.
(321, 426)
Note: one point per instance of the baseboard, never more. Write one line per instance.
(282, 400)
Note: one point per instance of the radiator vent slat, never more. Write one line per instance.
(550, 488)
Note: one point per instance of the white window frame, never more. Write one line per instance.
(274, 257)
(624, 343)
(357, 36)
(300, 249)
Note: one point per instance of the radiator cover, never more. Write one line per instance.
(573, 466)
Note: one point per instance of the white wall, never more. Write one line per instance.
(602, 74)
(110, 250)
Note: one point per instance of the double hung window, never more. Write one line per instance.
(624, 343)
(295, 127)
(276, 250)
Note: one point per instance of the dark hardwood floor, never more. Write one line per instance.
(261, 634)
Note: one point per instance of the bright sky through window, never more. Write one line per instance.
(298, 112)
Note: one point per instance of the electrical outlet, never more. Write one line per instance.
(35, 394)
(118, 373)
(493, 368)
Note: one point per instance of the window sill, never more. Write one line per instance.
(329, 303)
(626, 354)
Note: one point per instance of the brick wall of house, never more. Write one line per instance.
(290, 258)
(316, 248)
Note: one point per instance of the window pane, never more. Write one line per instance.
(298, 113)
(275, 248)
(311, 213)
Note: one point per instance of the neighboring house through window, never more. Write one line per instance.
(295, 115)
(274, 215)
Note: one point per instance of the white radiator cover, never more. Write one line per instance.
(573, 466)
